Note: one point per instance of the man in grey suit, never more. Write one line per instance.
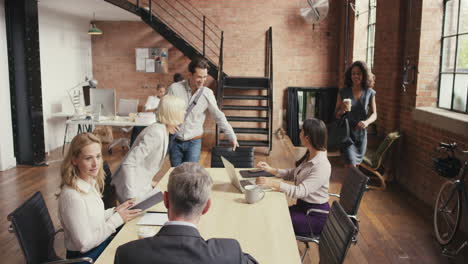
(187, 199)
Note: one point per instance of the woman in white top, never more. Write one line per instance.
(87, 225)
(134, 177)
(311, 179)
(153, 100)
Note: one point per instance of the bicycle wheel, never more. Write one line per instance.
(447, 213)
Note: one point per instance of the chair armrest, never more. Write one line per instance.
(316, 210)
(58, 231)
(75, 260)
(334, 194)
(306, 239)
(126, 129)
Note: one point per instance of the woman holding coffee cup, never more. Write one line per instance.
(311, 179)
(357, 102)
(87, 225)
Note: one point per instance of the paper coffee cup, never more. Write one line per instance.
(347, 103)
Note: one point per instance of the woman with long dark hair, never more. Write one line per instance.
(311, 178)
(361, 109)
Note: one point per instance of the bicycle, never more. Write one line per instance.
(447, 209)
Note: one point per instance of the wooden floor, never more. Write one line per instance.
(394, 227)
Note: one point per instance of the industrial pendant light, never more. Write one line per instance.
(93, 30)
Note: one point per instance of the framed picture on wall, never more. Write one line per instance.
(152, 60)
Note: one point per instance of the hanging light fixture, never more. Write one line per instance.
(93, 30)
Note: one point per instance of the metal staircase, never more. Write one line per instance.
(246, 101)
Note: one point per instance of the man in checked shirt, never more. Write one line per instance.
(186, 146)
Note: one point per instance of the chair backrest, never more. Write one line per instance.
(109, 196)
(241, 158)
(352, 191)
(34, 230)
(379, 154)
(337, 236)
(127, 106)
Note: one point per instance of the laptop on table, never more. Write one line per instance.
(239, 184)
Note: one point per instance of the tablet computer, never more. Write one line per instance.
(255, 173)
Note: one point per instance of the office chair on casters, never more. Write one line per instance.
(336, 237)
(126, 106)
(352, 192)
(35, 232)
(243, 157)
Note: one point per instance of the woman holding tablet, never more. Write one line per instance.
(310, 177)
(87, 225)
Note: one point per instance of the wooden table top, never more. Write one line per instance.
(264, 229)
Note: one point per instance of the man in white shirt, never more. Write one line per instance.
(178, 241)
(186, 146)
(153, 101)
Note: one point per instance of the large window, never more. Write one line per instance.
(371, 33)
(453, 78)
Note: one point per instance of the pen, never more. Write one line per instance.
(156, 212)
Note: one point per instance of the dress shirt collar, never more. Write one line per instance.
(320, 156)
(85, 186)
(182, 223)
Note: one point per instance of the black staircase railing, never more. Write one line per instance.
(220, 81)
(189, 23)
(269, 75)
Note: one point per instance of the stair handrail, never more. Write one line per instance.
(220, 83)
(269, 75)
(164, 9)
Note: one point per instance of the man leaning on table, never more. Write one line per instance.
(187, 199)
(187, 145)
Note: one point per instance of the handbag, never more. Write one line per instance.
(339, 134)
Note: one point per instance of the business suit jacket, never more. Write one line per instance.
(181, 244)
(134, 176)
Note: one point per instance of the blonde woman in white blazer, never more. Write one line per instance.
(133, 179)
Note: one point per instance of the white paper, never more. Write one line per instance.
(157, 219)
(150, 65)
(141, 55)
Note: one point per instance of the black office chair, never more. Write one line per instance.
(336, 237)
(35, 232)
(109, 197)
(352, 191)
(241, 158)
(351, 194)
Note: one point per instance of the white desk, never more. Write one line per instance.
(104, 121)
(264, 230)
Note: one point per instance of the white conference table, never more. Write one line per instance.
(264, 229)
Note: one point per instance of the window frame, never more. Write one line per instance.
(371, 8)
(454, 72)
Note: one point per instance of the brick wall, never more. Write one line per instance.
(418, 39)
(303, 55)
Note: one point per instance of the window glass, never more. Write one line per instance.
(445, 92)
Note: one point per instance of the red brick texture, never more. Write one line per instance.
(303, 55)
(414, 33)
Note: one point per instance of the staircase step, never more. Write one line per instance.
(248, 143)
(245, 87)
(247, 81)
(248, 130)
(244, 107)
(245, 97)
(246, 119)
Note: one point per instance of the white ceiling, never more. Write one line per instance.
(85, 8)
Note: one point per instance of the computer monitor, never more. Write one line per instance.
(105, 98)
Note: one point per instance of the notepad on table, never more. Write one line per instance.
(153, 218)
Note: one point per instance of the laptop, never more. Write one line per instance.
(231, 171)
